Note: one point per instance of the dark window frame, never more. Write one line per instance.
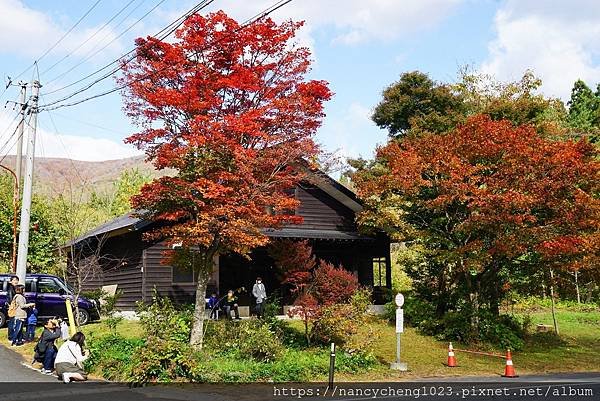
(381, 278)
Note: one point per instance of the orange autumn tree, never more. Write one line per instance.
(229, 109)
(487, 200)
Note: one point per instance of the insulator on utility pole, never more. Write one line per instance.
(27, 187)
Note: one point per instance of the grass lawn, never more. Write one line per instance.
(578, 349)
(126, 328)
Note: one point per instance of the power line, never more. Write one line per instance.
(61, 38)
(90, 37)
(162, 34)
(87, 123)
(64, 147)
(169, 29)
(248, 22)
(109, 43)
(10, 124)
(8, 141)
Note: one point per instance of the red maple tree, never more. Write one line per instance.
(492, 195)
(229, 109)
(316, 284)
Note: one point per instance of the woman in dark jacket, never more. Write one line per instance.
(45, 350)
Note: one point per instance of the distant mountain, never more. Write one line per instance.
(53, 176)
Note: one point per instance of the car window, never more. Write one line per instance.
(48, 285)
(28, 282)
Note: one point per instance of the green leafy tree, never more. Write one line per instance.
(115, 201)
(417, 102)
(44, 236)
(584, 110)
(516, 101)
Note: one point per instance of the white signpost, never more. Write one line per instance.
(399, 330)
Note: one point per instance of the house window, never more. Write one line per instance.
(379, 272)
(184, 276)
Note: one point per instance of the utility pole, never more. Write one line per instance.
(27, 188)
(20, 132)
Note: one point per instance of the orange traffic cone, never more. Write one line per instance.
(509, 371)
(451, 357)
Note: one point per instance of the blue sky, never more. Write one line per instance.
(360, 47)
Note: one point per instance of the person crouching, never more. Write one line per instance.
(69, 359)
(45, 350)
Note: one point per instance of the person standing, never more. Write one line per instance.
(213, 306)
(69, 359)
(260, 293)
(20, 314)
(32, 315)
(10, 294)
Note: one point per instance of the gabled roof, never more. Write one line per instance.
(129, 222)
(125, 223)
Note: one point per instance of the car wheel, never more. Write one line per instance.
(2, 319)
(83, 317)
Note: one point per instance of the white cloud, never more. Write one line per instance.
(29, 32)
(81, 147)
(558, 40)
(354, 21)
(49, 144)
(351, 132)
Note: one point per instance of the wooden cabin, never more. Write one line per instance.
(328, 209)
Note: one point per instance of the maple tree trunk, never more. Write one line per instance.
(204, 273)
(441, 305)
(552, 302)
(494, 297)
(577, 288)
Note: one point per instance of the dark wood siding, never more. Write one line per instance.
(160, 277)
(120, 259)
(129, 283)
(136, 265)
(321, 212)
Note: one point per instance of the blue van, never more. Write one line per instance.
(49, 293)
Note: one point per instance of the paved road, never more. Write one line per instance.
(13, 370)
(18, 382)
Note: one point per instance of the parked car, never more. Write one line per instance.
(49, 293)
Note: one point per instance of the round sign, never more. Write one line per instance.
(399, 300)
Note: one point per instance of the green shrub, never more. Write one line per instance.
(502, 331)
(161, 319)
(112, 355)
(339, 323)
(163, 361)
(355, 362)
(247, 339)
(272, 307)
(258, 342)
(300, 366)
(415, 310)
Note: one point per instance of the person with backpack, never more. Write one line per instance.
(45, 350)
(69, 359)
(10, 294)
(19, 305)
(32, 315)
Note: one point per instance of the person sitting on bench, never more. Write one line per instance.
(231, 303)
